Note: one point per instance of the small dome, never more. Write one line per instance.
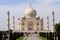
(30, 12)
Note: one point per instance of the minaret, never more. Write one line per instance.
(18, 24)
(53, 21)
(42, 24)
(13, 24)
(47, 23)
(8, 20)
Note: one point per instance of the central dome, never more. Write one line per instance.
(30, 12)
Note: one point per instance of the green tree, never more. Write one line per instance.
(57, 27)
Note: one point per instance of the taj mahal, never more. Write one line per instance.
(30, 22)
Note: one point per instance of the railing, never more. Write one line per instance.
(32, 31)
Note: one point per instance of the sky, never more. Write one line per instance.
(17, 8)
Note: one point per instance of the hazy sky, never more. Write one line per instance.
(17, 8)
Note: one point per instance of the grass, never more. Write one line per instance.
(21, 38)
(43, 38)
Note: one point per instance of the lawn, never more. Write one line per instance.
(43, 38)
(21, 38)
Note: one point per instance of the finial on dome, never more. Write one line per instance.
(30, 4)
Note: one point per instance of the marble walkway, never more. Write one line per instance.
(32, 37)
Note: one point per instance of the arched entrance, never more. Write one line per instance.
(30, 26)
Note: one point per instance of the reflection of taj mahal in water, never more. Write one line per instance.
(31, 22)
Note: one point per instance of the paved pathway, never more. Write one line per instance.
(33, 37)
